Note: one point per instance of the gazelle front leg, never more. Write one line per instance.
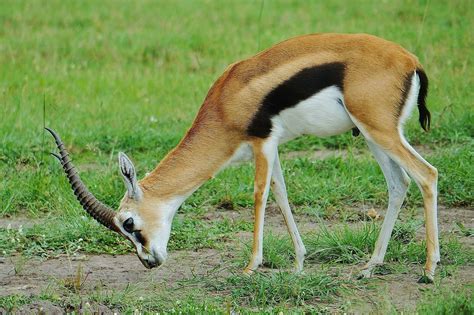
(264, 152)
(281, 197)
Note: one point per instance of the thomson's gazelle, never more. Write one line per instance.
(323, 85)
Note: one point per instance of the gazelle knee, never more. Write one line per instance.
(434, 173)
(429, 182)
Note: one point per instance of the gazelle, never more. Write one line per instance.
(320, 84)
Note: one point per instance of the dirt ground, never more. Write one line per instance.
(107, 272)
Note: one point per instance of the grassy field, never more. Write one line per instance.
(129, 76)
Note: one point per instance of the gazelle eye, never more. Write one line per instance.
(128, 225)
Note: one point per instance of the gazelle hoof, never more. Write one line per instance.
(248, 272)
(364, 274)
(426, 279)
(298, 268)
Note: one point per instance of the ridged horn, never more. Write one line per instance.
(91, 204)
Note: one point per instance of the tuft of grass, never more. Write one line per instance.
(405, 232)
(75, 283)
(465, 231)
(342, 244)
(271, 289)
(354, 245)
(452, 252)
(19, 264)
(448, 301)
(278, 252)
(10, 302)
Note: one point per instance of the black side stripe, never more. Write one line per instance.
(299, 87)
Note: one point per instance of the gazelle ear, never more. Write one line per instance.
(129, 176)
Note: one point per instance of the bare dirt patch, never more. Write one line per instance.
(400, 291)
(450, 216)
(104, 271)
(17, 222)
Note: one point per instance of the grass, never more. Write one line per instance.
(55, 237)
(444, 301)
(353, 245)
(263, 290)
(343, 245)
(74, 63)
(127, 301)
(125, 76)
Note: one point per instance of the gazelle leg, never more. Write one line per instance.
(382, 125)
(264, 152)
(397, 183)
(281, 197)
(426, 177)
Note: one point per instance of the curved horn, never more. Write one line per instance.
(91, 204)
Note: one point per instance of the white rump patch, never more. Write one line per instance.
(411, 100)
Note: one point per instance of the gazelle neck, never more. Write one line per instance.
(205, 149)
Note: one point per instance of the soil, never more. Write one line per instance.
(17, 222)
(88, 273)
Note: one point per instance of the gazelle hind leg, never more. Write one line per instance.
(426, 178)
(264, 153)
(382, 125)
(281, 197)
(397, 183)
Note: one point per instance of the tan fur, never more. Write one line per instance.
(373, 82)
(262, 176)
(372, 90)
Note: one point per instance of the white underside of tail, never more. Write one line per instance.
(411, 100)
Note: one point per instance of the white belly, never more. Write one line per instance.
(322, 115)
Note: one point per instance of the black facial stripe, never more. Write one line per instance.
(299, 87)
(138, 235)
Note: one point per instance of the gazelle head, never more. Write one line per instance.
(141, 218)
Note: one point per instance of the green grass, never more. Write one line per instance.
(127, 76)
(353, 245)
(278, 252)
(57, 237)
(263, 290)
(128, 301)
(443, 302)
(83, 64)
